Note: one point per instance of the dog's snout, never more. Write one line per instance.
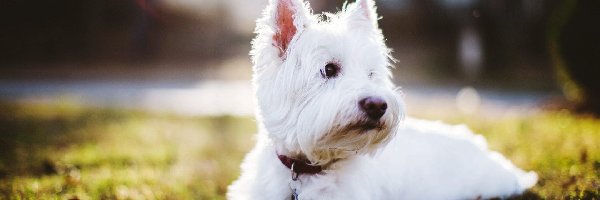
(374, 107)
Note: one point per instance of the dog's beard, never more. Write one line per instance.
(351, 133)
(356, 138)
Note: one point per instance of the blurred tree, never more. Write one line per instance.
(47, 34)
(54, 31)
(575, 42)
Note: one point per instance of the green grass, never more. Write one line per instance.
(61, 152)
(71, 152)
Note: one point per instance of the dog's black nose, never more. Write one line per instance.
(374, 107)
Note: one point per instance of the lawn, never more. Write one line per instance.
(73, 152)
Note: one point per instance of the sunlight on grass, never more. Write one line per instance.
(66, 151)
(92, 154)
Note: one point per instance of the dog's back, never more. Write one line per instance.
(432, 160)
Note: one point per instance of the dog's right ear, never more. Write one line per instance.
(362, 14)
(285, 18)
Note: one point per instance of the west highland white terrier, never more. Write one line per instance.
(331, 123)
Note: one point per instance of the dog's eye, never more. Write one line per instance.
(331, 70)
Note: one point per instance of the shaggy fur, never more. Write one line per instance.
(303, 114)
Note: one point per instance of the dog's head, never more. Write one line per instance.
(322, 81)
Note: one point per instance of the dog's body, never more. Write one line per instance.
(425, 160)
(330, 120)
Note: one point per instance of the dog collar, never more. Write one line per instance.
(299, 166)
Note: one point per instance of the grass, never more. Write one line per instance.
(71, 152)
(67, 152)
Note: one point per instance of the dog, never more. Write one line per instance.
(332, 125)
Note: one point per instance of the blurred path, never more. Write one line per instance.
(188, 97)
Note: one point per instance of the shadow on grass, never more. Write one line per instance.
(29, 131)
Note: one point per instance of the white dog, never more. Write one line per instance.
(332, 123)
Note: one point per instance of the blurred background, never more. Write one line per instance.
(114, 52)
(173, 76)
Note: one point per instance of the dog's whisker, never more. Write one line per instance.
(341, 149)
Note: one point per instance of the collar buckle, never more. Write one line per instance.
(294, 173)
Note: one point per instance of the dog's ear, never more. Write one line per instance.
(362, 13)
(285, 18)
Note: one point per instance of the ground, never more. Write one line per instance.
(66, 151)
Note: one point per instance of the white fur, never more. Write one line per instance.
(301, 113)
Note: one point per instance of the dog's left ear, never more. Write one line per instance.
(362, 13)
(285, 19)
